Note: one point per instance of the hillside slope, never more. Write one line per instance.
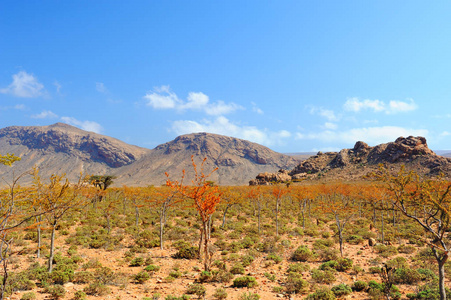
(61, 148)
(237, 160)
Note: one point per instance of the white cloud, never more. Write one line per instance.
(325, 113)
(24, 85)
(58, 86)
(85, 125)
(19, 106)
(445, 133)
(100, 87)
(163, 98)
(223, 126)
(370, 135)
(45, 114)
(394, 106)
(256, 109)
(331, 126)
(401, 106)
(355, 105)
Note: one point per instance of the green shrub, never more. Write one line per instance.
(375, 270)
(237, 269)
(344, 264)
(97, 289)
(220, 294)
(397, 263)
(83, 277)
(28, 296)
(205, 276)
(147, 239)
(56, 291)
(298, 268)
(406, 276)
(80, 295)
(141, 277)
(359, 285)
(246, 260)
(427, 274)
(325, 277)
(249, 296)
(152, 269)
(189, 252)
(274, 257)
(354, 239)
(104, 275)
(270, 276)
(302, 254)
(196, 289)
(341, 290)
(137, 262)
(322, 294)
(222, 276)
(244, 281)
(295, 283)
(386, 251)
(329, 265)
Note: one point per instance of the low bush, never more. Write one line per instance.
(341, 290)
(196, 289)
(295, 283)
(302, 254)
(322, 294)
(359, 285)
(245, 281)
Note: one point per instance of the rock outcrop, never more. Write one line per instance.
(351, 164)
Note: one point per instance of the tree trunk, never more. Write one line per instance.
(277, 217)
(441, 273)
(340, 234)
(162, 218)
(136, 216)
(38, 252)
(382, 227)
(224, 215)
(52, 248)
(259, 216)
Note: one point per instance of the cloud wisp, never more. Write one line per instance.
(24, 85)
(85, 125)
(45, 114)
(394, 106)
(163, 98)
(222, 125)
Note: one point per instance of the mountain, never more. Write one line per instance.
(353, 164)
(61, 148)
(237, 160)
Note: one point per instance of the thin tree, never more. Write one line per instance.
(409, 192)
(57, 197)
(205, 196)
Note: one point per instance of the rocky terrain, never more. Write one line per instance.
(353, 164)
(237, 160)
(61, 148)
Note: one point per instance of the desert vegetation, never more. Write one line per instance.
(383, 238)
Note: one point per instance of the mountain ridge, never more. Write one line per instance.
(62, 148)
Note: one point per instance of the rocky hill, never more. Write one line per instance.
(61, 148)
(237, 160)
(353, 164)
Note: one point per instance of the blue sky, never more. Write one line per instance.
(295, 76)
